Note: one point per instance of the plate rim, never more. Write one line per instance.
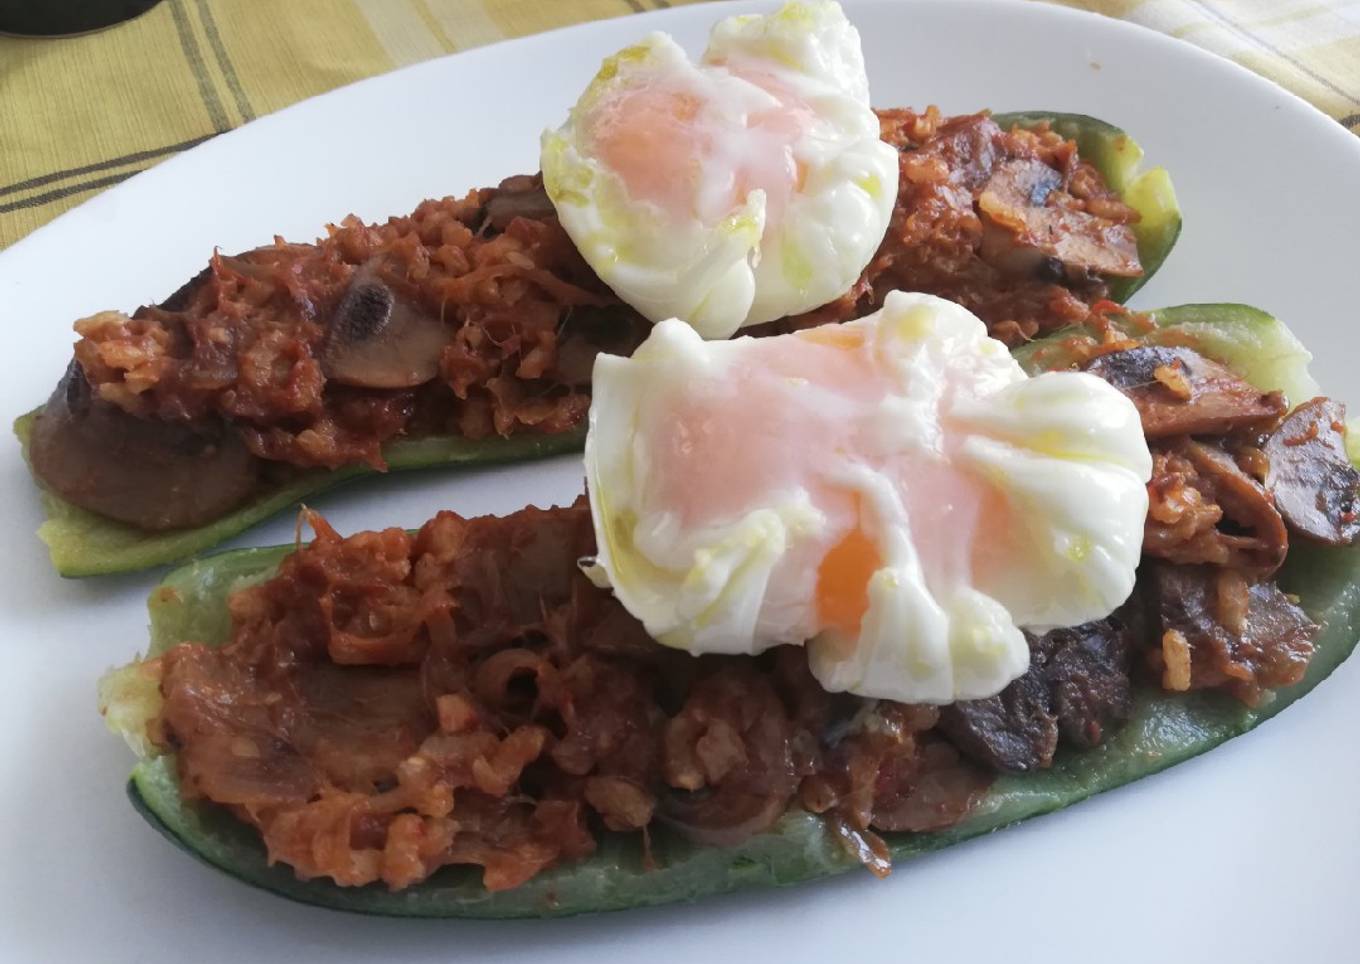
(655, 19)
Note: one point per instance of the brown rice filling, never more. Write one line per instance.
(391, 703)
(493, 319)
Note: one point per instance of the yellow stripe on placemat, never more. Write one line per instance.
(61, 139)
(79, 114)
(403, 30)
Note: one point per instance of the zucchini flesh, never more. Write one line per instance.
(82, 543)
(1166, 729)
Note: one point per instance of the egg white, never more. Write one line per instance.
(721, 265)
(1066, 449)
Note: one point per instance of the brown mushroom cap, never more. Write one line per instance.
(522, 196)
(155, 475)
(1180, 392)
(1258, 541)
(1316, 488)
(378, 338)
(1023, 234)
(1077, 686)
(1268, 647)
(733, 721)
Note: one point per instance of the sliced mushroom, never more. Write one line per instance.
(1316, 488)
(379, 339)
(522, 196)
(153, 474)
(1077, 685)
(1024, 235)
(968, 145)
(724, 816)
(1236, 523)
(1246, 503)
(184, 294)
(250, 262)
(934, 791)
(1180, 392)
(1015, 187)
(1089, 669)
(1270, 647)
(1016, 730)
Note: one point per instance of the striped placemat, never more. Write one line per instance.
(82, 113)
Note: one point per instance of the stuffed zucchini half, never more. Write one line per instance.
(1312, 610)
(281, 372)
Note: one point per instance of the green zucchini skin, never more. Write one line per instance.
(1165, 729)
(81, 543)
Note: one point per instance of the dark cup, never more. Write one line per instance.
(55, 18)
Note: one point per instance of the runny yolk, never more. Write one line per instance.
(649, 138)
(833, 336)
(659, 142)
(843, 581)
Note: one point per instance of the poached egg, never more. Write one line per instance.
(747, 187)
(894, 493)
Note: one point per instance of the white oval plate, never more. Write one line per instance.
(1251, 853)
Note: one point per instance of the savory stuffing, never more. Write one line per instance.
(1011, 224)
(1204, 508)
(391, 704)
(1235, 475)
(1079, 685)
(476, 317)
(470, 316)
(1259, 641)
